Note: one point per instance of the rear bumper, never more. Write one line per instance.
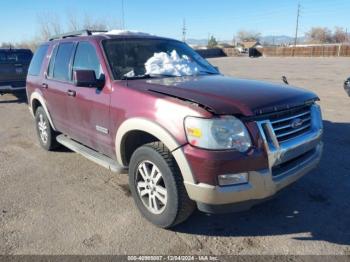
(12, 86)
(297, 157)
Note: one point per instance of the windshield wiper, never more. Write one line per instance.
(146, 76)
(208, 72)
(163, 75)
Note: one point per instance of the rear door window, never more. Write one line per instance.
(38, 58)
(52, 62)
(61, 70)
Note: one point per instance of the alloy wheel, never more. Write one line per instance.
(151, 187)
(42, 126)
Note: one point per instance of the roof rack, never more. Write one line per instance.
(84, 32)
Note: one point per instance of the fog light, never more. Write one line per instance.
(233, 179)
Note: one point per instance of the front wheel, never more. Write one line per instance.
(157, 186)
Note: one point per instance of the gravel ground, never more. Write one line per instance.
(61, 203)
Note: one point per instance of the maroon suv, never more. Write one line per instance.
(188, 135)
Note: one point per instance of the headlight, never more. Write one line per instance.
(222, 133)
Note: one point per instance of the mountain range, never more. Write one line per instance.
(270, 39)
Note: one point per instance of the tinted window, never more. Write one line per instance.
(52, 62)
(62, 59)
(19, 57)
(86, 59)
(2, 57)
(38, 58)
(15, 57)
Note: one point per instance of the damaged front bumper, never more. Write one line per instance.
(287, 162)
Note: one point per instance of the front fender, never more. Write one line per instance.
(145, 125)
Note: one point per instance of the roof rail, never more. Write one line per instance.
(84, 32)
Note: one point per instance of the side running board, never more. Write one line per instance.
(91, 154)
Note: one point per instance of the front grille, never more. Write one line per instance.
(290, 124)
(289, 165)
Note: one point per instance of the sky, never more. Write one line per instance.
(221, 18)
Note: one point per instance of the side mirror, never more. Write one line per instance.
(285, 80)
(347, 82)
(347, 86)
(87, 78)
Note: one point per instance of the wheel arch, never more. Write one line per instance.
(152, 130)
(36, 100)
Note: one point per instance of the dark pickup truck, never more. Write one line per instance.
(187, 135)
(347, 86)
(14, 65)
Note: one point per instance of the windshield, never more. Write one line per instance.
(133, 58)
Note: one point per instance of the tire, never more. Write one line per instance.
(178, 207)
(45, 133)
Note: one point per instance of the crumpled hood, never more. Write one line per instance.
(225, 95)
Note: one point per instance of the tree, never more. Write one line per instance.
(6, 45)
(94, 24)
(73, 23)
(319, 35)
(49, 25)
(212, 42)
(339, 35)
(244, 35)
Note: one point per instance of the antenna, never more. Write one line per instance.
(184, 30)
(123, 15)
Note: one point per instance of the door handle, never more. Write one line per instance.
(44, 85)
(71, 93)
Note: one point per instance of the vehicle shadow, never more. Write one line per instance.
(62, 149)
(15, 97)
(317, 206)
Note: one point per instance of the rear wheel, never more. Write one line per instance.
(157, 186)
(46, 135)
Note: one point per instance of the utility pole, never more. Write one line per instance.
(184, 30)
(346, 35)
(344, 41)
(297, 25)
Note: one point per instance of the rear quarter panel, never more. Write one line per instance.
(33, 83)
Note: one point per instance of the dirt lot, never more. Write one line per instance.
(61, 203)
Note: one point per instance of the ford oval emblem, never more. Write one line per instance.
(297, 122)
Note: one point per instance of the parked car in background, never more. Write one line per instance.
(14, 65)
(347, 86)
(188, 135)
